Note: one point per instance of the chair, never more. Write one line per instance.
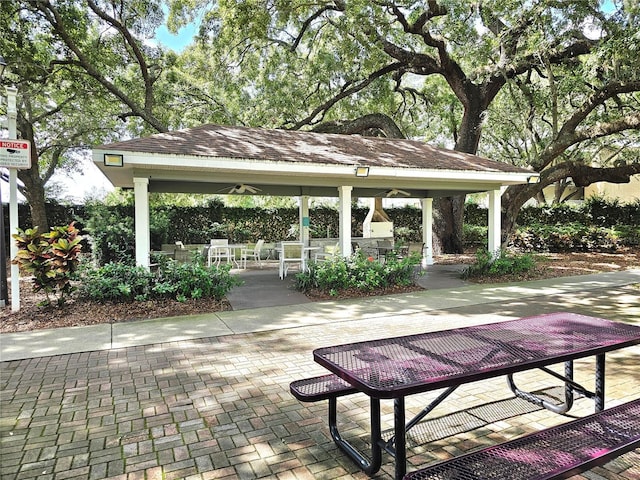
(180, 253)
(416, 248)
(329, 251)
(219, 250)
(252, 252)
(290, 252)
(384, 247)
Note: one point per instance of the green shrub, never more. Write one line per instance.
(474, 214)
(194, 280)
(359, 272)
(474, 235)
(116, 282)
(603, 212)
(51, 258)
(569, 237)
(112, 235)
(119, 282)
(628, 235)
(504, 264)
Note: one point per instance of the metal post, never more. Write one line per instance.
(12, 114)
(4, 294)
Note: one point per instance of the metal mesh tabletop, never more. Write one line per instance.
(395, 367)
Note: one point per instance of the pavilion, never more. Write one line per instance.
(218, 159)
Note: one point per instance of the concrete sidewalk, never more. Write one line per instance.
(207, 398)
(15, 346)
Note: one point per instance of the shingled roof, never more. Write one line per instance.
(213, 159)
(306, 148)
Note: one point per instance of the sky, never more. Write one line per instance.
(179, 41)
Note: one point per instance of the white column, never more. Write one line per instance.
(143, 236)
(494, 222)
(344, 214)
(12, 114)
(427, 231)
(304, 219)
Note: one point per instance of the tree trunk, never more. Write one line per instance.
(34, 192)
(513, 199)
(449, 211)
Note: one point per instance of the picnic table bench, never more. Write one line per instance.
(553, 453)
(394, 368)
(326, 387)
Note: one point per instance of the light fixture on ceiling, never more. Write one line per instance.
(362, 171)
(533, 179)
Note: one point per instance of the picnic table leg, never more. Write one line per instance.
(369, 466)
(400, 435)
(569, 387)
(599, 394)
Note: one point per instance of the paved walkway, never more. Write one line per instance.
(207, 396)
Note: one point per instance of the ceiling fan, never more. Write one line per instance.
(242, 188)
(394, 192)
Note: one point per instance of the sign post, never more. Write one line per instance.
(14, 154)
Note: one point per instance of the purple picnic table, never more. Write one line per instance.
(392, 368)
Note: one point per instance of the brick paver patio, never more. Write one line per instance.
(219, 408)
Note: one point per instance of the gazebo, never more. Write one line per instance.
(218, 159)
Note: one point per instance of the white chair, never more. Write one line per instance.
(253, 253)
(329, 251)
(289, 253)
(219, 250)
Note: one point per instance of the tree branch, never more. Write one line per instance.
(345, 92)
(377, 122)
(54, 18)
(338, 6)
(570, 134)
(137, 53)
(584, 175)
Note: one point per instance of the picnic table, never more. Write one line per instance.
(224, 251)
(393, 368)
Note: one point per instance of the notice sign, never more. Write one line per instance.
(15, 153)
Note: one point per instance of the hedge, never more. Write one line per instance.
(196, 225)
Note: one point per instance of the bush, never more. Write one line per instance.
(474, 235)
(194, 280)
(474, 214)
(504, 264)
(112, 235)
(51, 258)
(628, 235)
(570, 237)
(116, 282)
(120, 282)
(360, 272)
